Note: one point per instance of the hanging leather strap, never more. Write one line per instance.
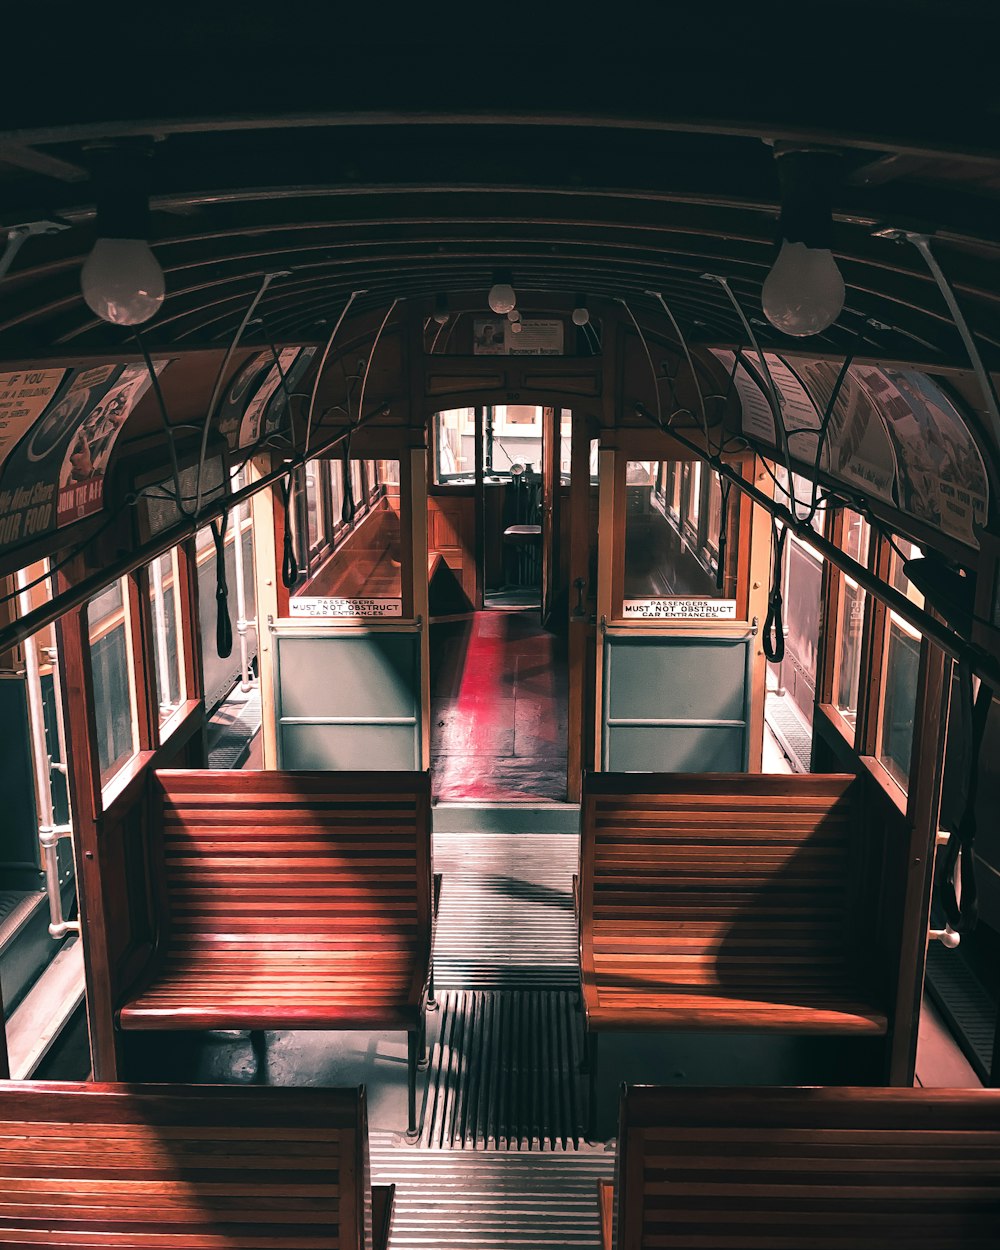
(959, 859)
(774, 625)
(223, 625)
(725, 486)
(289, 564)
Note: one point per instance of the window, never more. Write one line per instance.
(673, 512)
(168, 658)
(455, 446)
(113, 668)
(850, 620)
(357, 487)
(901, 664)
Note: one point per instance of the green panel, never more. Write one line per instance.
(684, 749)
(676, 704)
(352, 675)
(347, 699)
(348, 747)
(678, 679)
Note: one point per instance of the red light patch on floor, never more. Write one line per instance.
(498, 709)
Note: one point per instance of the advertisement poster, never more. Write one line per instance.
(252, 424)
(238, 394)
(798, 412)
(81, 478)
(857, 450)
(494, 336)
(275, 412)
(30, 478)
(757, 418)
(24, 396)
(941, 478)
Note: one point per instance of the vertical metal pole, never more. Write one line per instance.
(160, 630)
(241, 603)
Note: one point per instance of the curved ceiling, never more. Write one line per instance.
(632, 163)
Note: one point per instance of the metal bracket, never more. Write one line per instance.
(946, 936)
(754, 627)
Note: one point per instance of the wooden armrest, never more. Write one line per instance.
(437, 893)
(606, 1205)
(383, 1197)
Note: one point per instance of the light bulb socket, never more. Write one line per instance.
(121, 175)
(808, 178)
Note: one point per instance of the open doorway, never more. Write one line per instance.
(498, 670)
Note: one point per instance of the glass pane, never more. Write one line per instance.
(512, 435)
(666, 556)
(357, 486)
(314, 504)
(164, 583)
(114, 694)
(336, 493)
(899, 698)
(851, 620)
(455, 446)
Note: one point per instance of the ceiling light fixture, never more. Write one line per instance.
(121, 279)
(581, 313)
(513, 315)
(804, 292)
(441, 308)
(502, 297)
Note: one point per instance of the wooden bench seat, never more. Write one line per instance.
(187, 1166)
(805, 1169)
(289, 900)
(722, 901)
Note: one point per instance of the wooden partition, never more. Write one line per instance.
(828, 1169)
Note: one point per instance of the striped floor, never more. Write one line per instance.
(506, 918)
(504, 1072)
(501, 1163)
(478, 1200)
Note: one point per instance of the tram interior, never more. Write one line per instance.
(464, 664)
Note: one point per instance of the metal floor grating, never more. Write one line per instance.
(491, 1200)
(506, 917)
(233, 728)
(966, 1005)
(793, 734)
(504, 1072)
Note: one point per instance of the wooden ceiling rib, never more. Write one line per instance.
(407, 160)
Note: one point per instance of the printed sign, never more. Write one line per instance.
(24, 396)
(494, 336)
(81, 478)
(679, 609)
(305, 605)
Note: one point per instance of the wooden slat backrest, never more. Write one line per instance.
(182, 1166)
(287, 854)
(808, 1169)
(739, 879)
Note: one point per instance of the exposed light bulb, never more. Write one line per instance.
(581, 315)
(122, 281)
(516, 327)
(502, 298)
(513, 315)
(804, 292)
(441, 309)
